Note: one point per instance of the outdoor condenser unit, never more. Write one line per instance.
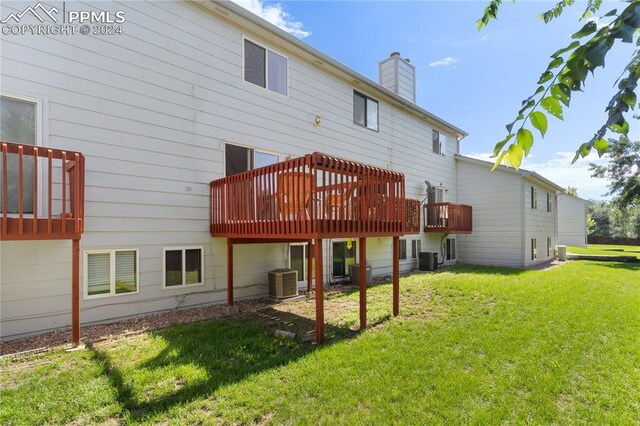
(283, 283)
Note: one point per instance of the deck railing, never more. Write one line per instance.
(42, 193)
(448, 217)
(310, 196)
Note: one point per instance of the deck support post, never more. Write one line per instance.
(75, 293)
(363, 282)
(319, 292)
(229, 273)
(309, 266)
(396, 276)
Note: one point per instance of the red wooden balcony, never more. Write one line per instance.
(42, 193)
(315, 196)
(447, 217)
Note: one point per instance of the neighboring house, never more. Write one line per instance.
(514, 215)
(190, 92)
(572, 220)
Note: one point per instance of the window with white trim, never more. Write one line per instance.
(450, 249)
(403, 250)
(548, 202)
(534, 198)
(439, 140)
(548, 247)
(265, 68)
(183, 266)
(239, 159)
(110, 272)
(534, 248)
(416, 248)
(18, 124)
(365, 111)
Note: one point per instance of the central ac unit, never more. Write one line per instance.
(283, 283)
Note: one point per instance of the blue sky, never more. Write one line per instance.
(474, 79)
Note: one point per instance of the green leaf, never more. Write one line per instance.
(528, 105)
(539, 121)
(583, 151)
(546, 76)
(629, 98)
(500, 144)
(524, 138)
(589, 28)
(611, 13)
(595, 54)
(561, 92)
(572, 46)
(621, 127)
(552, 106)
(555, 63)
(498, 160)
(624, 32)
(514, 155)
(601, 145)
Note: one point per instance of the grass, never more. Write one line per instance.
(472, 345)
(606, 249)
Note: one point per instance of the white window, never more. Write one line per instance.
(110, 272)
(548, 203)
(18, 124)
(534, 248)
(534, 198)
(416, 247)
(439, 142)
(365, 111)
(265, 68)
(549, 249)
(403, 250)
(239, 159)
(183, 266)
(450, 249)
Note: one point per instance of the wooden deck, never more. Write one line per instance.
(448, 218)
(315, 196)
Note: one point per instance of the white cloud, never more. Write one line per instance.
(444, 62)
(560, 170)
(276, 15)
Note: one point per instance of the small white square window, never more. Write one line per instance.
(265, 68)
(183, 266)
(110, 272)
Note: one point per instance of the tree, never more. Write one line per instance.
(598, 211)
(622, 171)
(572, 190)
(567, 72)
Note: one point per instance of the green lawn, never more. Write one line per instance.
(609, 250)
(472, 345)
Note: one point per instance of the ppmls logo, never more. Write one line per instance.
(69, 22)
(50, 13)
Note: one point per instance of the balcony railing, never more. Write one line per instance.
(448, 217)
(310, 197)
(42, 193)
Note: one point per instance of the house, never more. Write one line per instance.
(514, 214)
(572, 220)
(128, 154)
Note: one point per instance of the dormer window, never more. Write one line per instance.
(265, 68)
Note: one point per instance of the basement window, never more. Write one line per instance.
(365, 111)
(265, 68)
(548, 247)
(110, 272)
(183, 266)
(403, 250)
(416, 247)
(534, 248)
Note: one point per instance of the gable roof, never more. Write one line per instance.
(526, 174)
(242, 17)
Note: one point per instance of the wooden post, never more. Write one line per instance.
(396, 276)
(363, 283)
(310, 266)
(75, 293)
(319, 292)
(229, 273)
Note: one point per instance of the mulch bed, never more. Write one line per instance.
(99, 332)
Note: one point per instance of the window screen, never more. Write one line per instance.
(18, 125)
(262, 159)
(359, 106)
(416, 246)
(254, 64)
(98, 273)
(173, 267)
(126, 273)
(372, 114)
(435, 135)
(238, 159)
(193, 272)
(403, 250)
(277, 73)
(534, 249)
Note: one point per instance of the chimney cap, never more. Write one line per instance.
(394, 54)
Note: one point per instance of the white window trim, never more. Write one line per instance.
(442, 142)
(264, 151)
(534, 245)
(418, 249)
(266, 66)
(444, 250)
(184, 265)
(112, 273)
(406, 251)
(366, 98)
